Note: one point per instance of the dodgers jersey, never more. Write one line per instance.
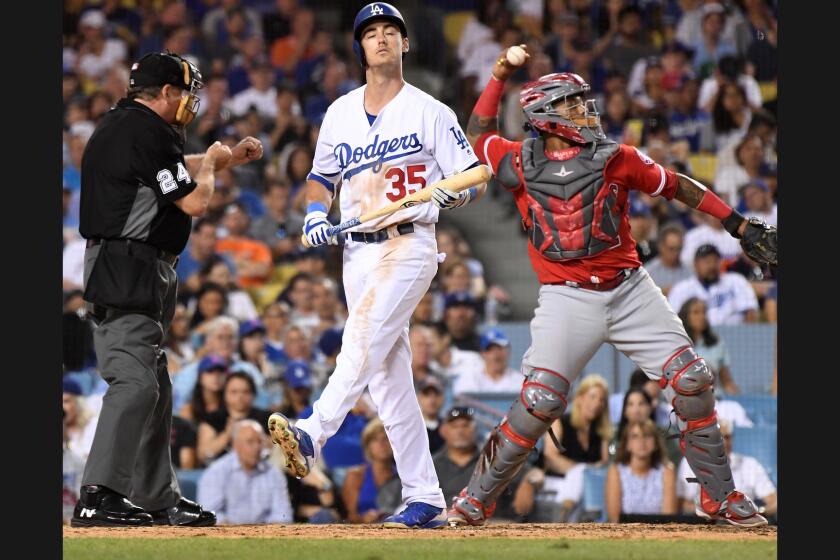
(414, 142)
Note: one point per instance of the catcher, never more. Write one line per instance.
(571, 186)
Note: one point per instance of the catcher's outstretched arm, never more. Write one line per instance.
(758, 240)
(695, 194)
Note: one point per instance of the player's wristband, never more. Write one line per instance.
(732, 222)
(713, 205)
(316, 207)
(488, 104)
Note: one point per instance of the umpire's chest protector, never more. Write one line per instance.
(572, 214)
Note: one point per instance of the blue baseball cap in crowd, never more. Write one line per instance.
(330, 341)
(247, 328)
(459, 298)
(493, 336)
(638, 209)
(71, 387)
(211, 362)
(298, 375)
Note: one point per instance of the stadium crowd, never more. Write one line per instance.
(691, 83)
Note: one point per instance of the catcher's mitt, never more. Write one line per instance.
(759, 242)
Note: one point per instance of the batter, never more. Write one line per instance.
(381, 142)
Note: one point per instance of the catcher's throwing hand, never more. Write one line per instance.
(447, 199)
(248, 149)
(759, 242)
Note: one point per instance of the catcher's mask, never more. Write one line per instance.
(158, 69)
(557, 104)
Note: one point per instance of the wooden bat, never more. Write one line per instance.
(458, 182)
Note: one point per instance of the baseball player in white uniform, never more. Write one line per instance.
(381, 142)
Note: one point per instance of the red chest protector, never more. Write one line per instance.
(572, 214)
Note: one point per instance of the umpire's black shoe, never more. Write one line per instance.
(185, 513)
(99, 506)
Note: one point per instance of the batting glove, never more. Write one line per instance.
(446, 199)
(315, 227)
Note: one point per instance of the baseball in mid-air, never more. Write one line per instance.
(516, 55)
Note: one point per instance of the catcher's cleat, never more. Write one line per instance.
(99, 506)
(736, 509)
(296, 444)
(417, 515)
(468, 511)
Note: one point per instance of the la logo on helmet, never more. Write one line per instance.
(376, 10)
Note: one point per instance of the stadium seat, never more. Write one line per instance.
(453, 26)
(758, 442)
(703, 167)
(594, 493)
(761, 409)
(188, 481)
(769, 91)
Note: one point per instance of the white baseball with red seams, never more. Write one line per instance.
(413, 142)
(516, 55)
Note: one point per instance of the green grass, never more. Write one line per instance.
(380, 549)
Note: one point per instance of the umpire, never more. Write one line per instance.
(138, 194)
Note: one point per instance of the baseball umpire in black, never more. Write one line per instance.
(138, 194)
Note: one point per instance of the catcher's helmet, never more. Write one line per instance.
(375, 10)
(537, 99)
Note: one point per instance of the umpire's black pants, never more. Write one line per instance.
(130, 452)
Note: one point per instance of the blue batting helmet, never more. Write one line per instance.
(375, 10)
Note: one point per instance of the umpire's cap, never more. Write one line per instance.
(375, 11)
(157, 69)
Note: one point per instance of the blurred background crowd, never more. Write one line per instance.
(691, 83)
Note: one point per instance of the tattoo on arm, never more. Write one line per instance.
(479, 125)
(688, 192)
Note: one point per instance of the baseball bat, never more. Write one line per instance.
(458, 182)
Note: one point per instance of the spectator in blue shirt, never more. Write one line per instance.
(711, 46)
(200, 250)
(686, 121)
(241, 487)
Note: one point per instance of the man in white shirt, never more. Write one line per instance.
(496, 377)
(242, 486)
(729, 298)
(449, 361)
(710, 231)
(262, 94)
(759, 201)
(749, 476)
(666, 269)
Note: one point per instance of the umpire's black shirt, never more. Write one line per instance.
(133, 170)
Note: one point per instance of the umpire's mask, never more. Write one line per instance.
(157, 69)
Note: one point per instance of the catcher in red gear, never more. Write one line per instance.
(571, 185)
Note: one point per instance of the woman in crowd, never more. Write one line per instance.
(362, 483)
(214, 433)
(79, 420)
(708, 344)
(240, 306)
(177, 344)
(641, 481)
(207, 395)
(210, 302)
(584, 432)
(252, 349)
(731, 115)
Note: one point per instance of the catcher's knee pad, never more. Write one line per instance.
(541, 401)
(700, 438)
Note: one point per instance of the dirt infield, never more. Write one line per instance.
(517, 531)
